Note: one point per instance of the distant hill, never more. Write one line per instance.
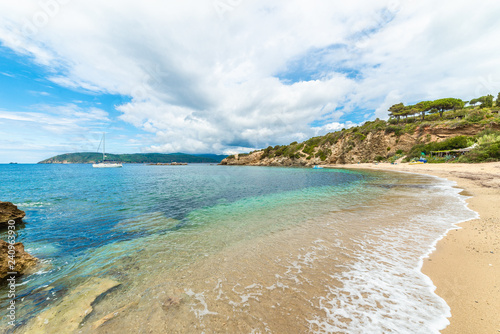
(93, 157)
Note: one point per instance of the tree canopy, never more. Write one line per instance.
(396, 110)
(441, 105)
(436, 106)
(424, 106)
(486, 101)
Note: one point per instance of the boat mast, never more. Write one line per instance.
(103, 146)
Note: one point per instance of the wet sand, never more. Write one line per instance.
(465, 266)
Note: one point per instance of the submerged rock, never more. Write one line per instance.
(112, 315)
(66, 316)
(9, 211)
(22, 260)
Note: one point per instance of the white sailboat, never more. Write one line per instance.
(105, 164)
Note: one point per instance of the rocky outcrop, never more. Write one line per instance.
(13, 257)
(354, 147)
(67, 315)
(9, 211)
(21, 262)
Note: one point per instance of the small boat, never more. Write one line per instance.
(317, 167)
(419, 162)
(105, 164)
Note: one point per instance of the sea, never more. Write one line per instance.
(228, 249)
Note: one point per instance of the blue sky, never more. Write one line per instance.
(27, 93)
(201, 77)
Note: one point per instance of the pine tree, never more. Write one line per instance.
(396, 110)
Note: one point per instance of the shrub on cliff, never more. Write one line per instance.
(474, 116)
(484, 153)
(359, 136)
(488, 148)
(397, 130)
(448, 144)
(267, 151)
(323, 154)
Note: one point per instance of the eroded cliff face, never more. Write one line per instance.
(353, 148)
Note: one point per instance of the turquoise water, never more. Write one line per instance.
(206, 234)
(74, 210)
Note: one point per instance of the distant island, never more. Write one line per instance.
(93, 157)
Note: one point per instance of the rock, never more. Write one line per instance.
(66, 316)
(112, 315)
(23, 260)
(9, 211)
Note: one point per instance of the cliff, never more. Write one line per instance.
(377, 140)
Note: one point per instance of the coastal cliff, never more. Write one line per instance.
(374, 141)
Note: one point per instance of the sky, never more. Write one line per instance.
(227, 76)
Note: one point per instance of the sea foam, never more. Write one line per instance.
(383, 290)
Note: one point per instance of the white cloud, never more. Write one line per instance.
(203, 75)
(332, 127)
(29, 136)
(8, 74)
(393, 97)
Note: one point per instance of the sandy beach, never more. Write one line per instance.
(465, 267)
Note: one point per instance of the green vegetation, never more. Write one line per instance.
(436, 106)
(488, 148)
(323, 154)
(397, 111)
(448, 144)
(486, 101)
(399, 154)
(450, 113)
(91, 157)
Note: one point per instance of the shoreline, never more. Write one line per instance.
(465, 266)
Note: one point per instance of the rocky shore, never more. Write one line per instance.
(13, 257)
(23, 261)
(9, 211)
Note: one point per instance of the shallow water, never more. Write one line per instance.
(209, 249)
